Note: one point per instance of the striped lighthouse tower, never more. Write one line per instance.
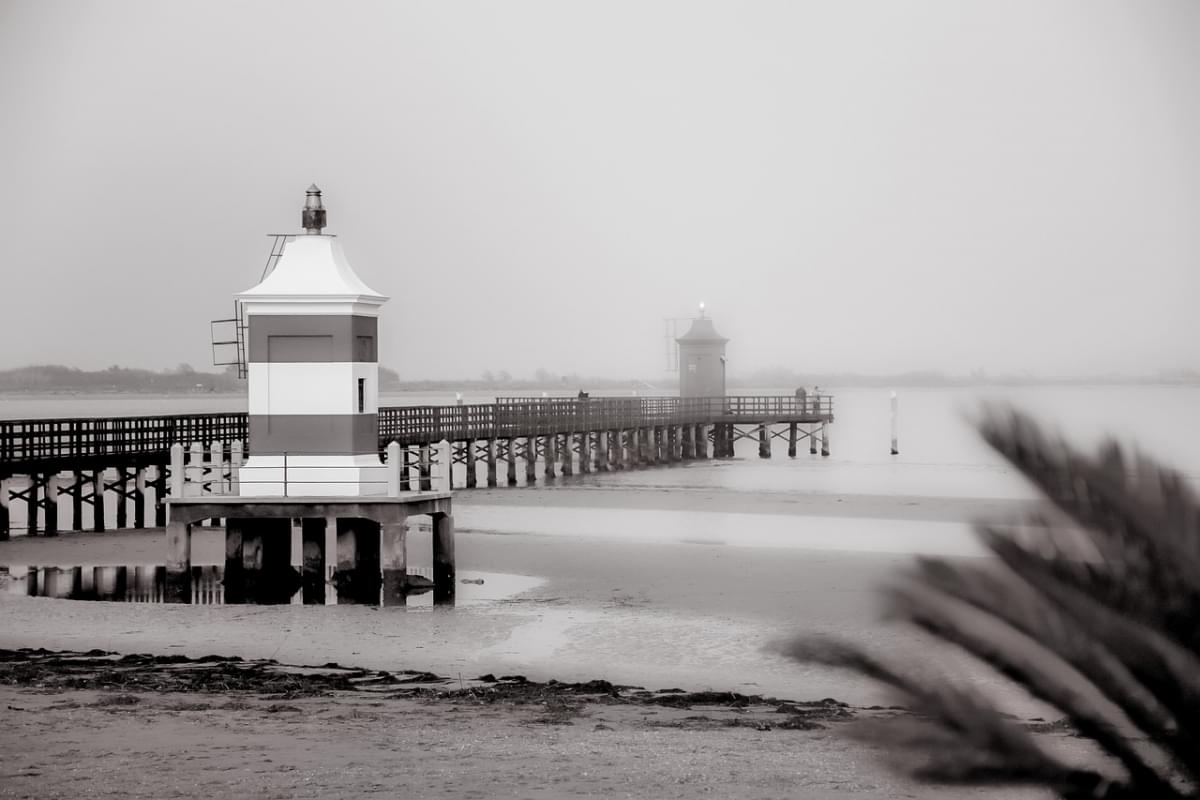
(313, 372)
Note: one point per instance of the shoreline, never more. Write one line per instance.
(224, 727)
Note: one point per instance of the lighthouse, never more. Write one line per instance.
(312, 371)
(702, 359)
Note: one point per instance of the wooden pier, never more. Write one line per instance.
(124, 463)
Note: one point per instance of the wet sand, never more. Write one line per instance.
(694, 613)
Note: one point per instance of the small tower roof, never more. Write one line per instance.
(313, 268)
(702, 331)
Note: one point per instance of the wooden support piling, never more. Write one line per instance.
(426, 467)
(764, 440)
(31, 512)
(122, 487)
(565, 452)
(471, 463)
(510, 458)
(312, 576)
(235, 586)
(77, 500)
(139, 498)
(530, 460)
(51, 505)
(550, 454)
(584, 440)
(296, 559)
(792, 440)
(824, 439)
(98, 521)
(812, 440)
(5, 522)
(161, 478)
(700, 440)
(491, 463)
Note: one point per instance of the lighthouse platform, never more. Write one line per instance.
(312, 550)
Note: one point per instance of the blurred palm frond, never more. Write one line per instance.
(1092, 605)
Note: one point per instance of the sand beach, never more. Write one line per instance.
(674, 612)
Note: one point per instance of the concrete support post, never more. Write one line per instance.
(764, 440)
(296, 559)
(530, 460)
(393, 561)
(178, 587)
(510, 459)
(686, 433)
(235, 585)
(394, 467)
(700, 440)
(426, 467)
(824, 439)
(491, 464)
(312, 560)
(791, 440)
(329, 558)
(443, 559)
(347, 562)
(52, 505)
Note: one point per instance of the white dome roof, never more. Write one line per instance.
(313, 268)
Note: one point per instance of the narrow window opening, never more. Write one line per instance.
(362, 394)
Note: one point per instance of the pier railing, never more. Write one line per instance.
(82, 443)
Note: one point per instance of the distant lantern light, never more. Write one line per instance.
(702, 308)
(313, 217)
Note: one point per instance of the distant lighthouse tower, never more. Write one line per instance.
(702, 359)
(313, 372)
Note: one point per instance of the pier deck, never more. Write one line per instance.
(125, 461)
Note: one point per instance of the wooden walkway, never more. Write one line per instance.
(125, 461)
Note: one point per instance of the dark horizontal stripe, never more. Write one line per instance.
(299, 434)
(315, 337)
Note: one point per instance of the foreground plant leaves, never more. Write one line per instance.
(1091, 606)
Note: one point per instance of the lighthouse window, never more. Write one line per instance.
(362, 394)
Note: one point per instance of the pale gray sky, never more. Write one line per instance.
(861, 186)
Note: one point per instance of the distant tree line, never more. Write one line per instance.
(55, 378)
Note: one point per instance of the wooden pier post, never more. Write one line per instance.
(329, 558)
(31, 509)
(614, 450)
(700, 440)
(565, 452)
(491, 463)
(161, 481)
(471, 464)
(824, 439)
(109, 582)
(393, 560)
(764, 440)
(531, 461)
(443, 559)
(178, 587)
(584, 440)
(549, 454)
(812, 440)
(52, 505)
(77, 500)
(646, 451)
(895, 413)
(426, 468)
(5, 523)
(510, 455)
(792, 440)
(687, 433)
(122, 487)
(139, 494)
(98, 514)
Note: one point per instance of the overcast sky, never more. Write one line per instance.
(859, 186)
